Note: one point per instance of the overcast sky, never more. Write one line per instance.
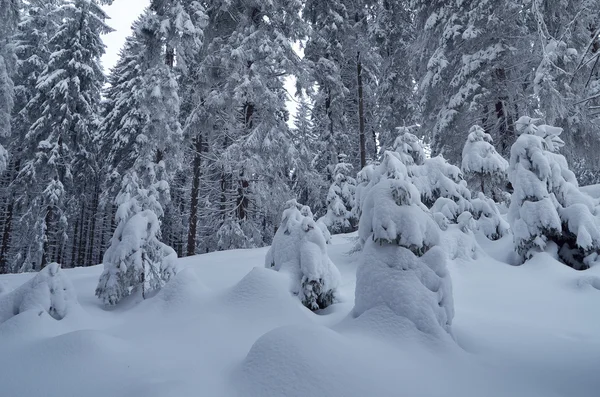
(122, 13)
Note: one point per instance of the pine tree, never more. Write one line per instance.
(238, 120)
(469, 60)
(68, 97)
(400, 262)
(547, 205)
(484, 169)
(9, 15)
(340, 217)
(136, 258)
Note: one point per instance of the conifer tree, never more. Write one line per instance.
(68, 98)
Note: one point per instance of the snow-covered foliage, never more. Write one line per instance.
(299, 248)
(487, 217)
(485, 170)
(340, 201)
(437, 179)
(400, 265)
(9, 15)
(409, 147)
(50, 291)
(440, 184)
(136, 257)
(547, 204)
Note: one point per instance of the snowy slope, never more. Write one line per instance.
(225, 326)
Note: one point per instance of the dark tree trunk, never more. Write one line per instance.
(92, 230)
(6, 236)
(361, 113)
(81, 238)
(46, 244)
(193, 226)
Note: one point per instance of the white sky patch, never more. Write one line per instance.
(122, 14)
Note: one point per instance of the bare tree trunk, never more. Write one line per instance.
(193, 226)
(46, 245)
(6, 236)
(361, 113)
(92, 230)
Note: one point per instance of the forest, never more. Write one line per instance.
(188, 145)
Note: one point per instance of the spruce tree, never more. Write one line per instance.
(68, 98)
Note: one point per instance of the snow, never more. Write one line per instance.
(226, 326)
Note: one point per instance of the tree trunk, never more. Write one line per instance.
(6, 236)
(81, 239)
(46, 237)
(92, 230)
(361, 113)
(193, 226)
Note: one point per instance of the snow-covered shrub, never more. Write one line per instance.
(236, 234)
(547, 204)
(409, 147)
(435, 179)
(299, 248)
(485, 170)
(340, 201)
(136, 258)
(50, 291)
(465, 222)
(401, 267)
(488, 218)
(364, 177)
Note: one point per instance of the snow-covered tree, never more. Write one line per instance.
(469, 61)
(401, 269)
(485, 170)
(9, 15)
(136, 259)
(250, 159)
(340, 201)
(547, 205)
(299, 248)
(68, 99)
(487, 217)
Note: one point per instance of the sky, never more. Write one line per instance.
(122, 13)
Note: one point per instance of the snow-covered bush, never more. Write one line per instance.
(400, 265)
(299, 248)
(547, 204)
(364, 177)
(435, 179)
(340, 201)
(50, 291)
(136, 258)
(487, 217)
(409, 147)
(485, 170)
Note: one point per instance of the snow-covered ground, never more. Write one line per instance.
(225, 326)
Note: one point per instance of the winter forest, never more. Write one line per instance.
(370, 193)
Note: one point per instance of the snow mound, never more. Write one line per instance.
(417, 288)
(183, 288)
(278, 358)
(260, 288)
(49, 291)
(591, 281)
